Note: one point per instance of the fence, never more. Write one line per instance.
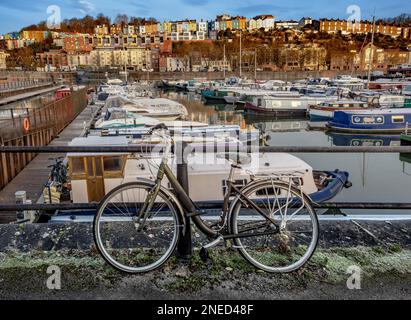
(34, 128)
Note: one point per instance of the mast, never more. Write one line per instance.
(125, 60)
(255, 64)
(241, 58)
(224, 61)
(372, 53)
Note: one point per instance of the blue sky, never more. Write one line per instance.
(18, 13)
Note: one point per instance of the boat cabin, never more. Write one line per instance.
(93, 175)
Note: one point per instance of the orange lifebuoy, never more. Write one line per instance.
(26, 124)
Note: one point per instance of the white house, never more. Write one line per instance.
(3, 59)
(202, 26)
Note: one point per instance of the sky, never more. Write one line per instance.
(15, 14)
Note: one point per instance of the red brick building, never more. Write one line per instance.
(53, 59)
(77, 43)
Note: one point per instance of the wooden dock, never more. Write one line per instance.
(33, 177)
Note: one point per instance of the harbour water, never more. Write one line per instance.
(375, 177)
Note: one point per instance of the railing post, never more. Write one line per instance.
(185, 244)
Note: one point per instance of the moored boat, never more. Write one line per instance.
(208, 172)
(371, 121)
(325, 111)
(295, 104)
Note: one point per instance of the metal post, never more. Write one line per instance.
(185, 244)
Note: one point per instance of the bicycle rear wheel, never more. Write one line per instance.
(125, 241)
(283, 245)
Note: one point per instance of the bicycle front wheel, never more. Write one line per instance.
(286, 241)
(127, 242)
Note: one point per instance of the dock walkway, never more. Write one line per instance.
(27, 95)
(33, 177)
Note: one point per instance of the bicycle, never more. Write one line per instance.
(270, 221)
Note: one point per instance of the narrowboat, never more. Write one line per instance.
(325, 111)
(92, 175)
(295, 105)
(371, 121)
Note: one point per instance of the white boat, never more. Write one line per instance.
(208, 172)
(325, 111)
(121, 118)
(348, 82)
(187, 129)
(159, 108)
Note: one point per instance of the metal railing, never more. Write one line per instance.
(185, 245)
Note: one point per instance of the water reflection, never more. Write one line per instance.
(358, 140)
(375, 177)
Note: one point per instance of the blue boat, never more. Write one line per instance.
(371, 121)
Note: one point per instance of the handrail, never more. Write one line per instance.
(146, 148)
(203, 205)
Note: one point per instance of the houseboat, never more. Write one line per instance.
(371, 121)
(92, 176)
(296, 105)
(325, 111)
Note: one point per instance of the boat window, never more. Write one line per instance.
(77, 165)
(259, 102)
(90, 170)
(113, 164)
(99, 171)
(397, 119)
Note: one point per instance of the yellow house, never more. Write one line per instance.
(167, 25)
(192, 25)
(151, 28)
(37, 36)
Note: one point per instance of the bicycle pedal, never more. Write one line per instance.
(204, 255)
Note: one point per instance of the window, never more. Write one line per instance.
(397, 119)
(77, 166)
(112, 164)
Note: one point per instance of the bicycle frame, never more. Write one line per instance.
(191, 210)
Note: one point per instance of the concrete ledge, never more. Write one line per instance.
(47, 237)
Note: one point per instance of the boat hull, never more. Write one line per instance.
(374, 121)
(252, 109)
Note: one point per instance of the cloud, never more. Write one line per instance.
(86, 6)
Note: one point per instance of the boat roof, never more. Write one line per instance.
(97, 141)
(281, 162)
(380, 111)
